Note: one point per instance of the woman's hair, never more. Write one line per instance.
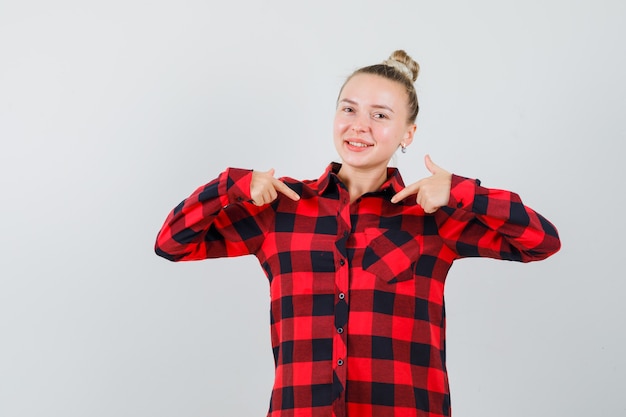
(401, 68)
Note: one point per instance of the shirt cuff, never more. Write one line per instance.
(236, 182)
(462, 192)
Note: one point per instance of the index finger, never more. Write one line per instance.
(284, 189)
(406, 191)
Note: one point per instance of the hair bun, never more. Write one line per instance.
(401, 61)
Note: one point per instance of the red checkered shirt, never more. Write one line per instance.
(357, 290)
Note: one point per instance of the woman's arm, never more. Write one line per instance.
(479, 221)
(217, 220)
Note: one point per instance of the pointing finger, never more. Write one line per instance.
(401, 195)
(282, 188)
(405, 192)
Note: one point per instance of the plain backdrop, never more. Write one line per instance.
(112, 112)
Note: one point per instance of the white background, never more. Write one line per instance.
(112, 112)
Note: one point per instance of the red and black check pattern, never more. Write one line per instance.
(357, 311)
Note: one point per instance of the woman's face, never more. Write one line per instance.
(371, 121)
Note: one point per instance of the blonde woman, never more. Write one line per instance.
(356, 260)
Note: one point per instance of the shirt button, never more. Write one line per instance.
(459, 205)
(342, 296)
(340, 330)
(340, 362)
(342, 262)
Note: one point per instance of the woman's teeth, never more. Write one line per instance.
(358, 144)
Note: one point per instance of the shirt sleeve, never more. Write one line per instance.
(493, 223)
(216, 220)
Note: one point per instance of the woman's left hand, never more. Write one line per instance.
(432, 192)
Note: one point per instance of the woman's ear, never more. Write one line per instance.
(408, 135)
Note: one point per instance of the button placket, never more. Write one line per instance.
(340, 349)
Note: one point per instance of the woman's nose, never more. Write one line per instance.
(360, 124)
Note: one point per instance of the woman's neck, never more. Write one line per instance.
(360, 182)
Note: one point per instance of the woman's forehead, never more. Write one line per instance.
(371, 89)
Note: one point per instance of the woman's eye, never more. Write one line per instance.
(348, 110)
(380, 116)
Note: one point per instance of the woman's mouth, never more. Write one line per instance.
(358, 144)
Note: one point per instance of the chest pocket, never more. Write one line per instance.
(391, 255)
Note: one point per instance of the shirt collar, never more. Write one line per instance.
(391, 186)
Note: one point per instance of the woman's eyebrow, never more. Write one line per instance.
(377, 106)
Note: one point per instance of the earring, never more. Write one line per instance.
(403, 147)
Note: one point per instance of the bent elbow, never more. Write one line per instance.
(163, 254)
(169, 249)
(550, 245)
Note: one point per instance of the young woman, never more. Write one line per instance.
(356, 261)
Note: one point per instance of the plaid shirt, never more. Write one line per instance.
(357, 290)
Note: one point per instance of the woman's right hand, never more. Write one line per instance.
(264, 188)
